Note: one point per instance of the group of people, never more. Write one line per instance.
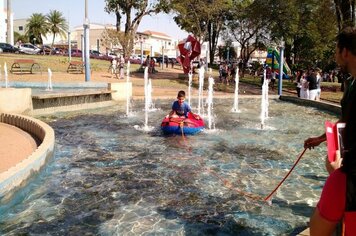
(117, 67)
(337, 204)
(308, 84)
(227, 71)
(150, 62)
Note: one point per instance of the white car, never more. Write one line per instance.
(29, 48)
(112, 54)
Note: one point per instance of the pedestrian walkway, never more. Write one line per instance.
(15, 146)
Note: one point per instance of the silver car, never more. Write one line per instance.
(29, 48)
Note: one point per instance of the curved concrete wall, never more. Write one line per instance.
(326, 106)
(16, 175)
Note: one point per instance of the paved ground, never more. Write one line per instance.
(15, 145)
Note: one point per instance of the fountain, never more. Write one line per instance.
(49, 85)
(210, 102)
(264, 100)
(128, 99)
(190, 76)
(108, 178)
(200, 91)
(148, 102)
(236, 95)
(6, 76)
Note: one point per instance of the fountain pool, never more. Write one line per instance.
(108, 178)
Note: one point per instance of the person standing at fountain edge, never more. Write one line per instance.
(338, 199)
(181, 108)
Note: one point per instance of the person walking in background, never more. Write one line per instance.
(152, 65)
(121, 66)
(304, 90)
(297, 82)
(318, 84)
(312, 85)
(113, 66)
(338, 199)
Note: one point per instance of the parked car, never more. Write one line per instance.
(112, 54)
(29, 48)
(46, 50)
(95, 53)
(76, 53)
(5, 47)
(159, 59)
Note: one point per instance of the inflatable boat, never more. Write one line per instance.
(189, 125)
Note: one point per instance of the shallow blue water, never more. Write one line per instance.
(109, 178)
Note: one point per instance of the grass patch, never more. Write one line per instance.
(57, 63)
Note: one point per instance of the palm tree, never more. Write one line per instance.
(36, 28)
(57, 24)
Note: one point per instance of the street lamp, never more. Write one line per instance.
(281, 61)
(69, 47)
(141, 48)
(86, 43)
(34, 41)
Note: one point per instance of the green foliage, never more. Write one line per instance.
(20, 37)
(307, 27)
(57, 24)
(133, 11)
(37, 27)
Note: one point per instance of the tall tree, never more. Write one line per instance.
(133, 12)
(307, 28)
(36, 28)
(203, 18)
(345, 13)
(57, 24)
(248, 28)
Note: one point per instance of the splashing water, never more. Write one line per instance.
(264, 100)
(146, 96)
(190, 76)
(151, 105)
(200, 91)
(49, 85)
(236, 97)
(6, 76)
(148, 99)
(127, 89)
(211, 123)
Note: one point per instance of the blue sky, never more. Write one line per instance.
(73, 10)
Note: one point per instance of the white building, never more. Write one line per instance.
(3, 23)
(150, 42)
(155, 44)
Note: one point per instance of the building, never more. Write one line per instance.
(95, 35)
(3, 23)
(155, 44)
(148, 42)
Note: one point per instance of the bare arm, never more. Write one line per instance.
(314, 141)
(320, 226)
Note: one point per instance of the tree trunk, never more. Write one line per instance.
(345, 13)
(118, 20)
